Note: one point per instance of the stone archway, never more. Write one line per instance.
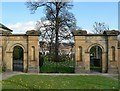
(29, 59)
(18, 57)
(106, 41)
(96, 59)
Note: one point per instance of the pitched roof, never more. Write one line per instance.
(5, 28)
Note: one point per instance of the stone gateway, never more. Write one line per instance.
(93, 52)
(96, 52)
(19, 52)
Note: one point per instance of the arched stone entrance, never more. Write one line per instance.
(18, 57)
(19, 52)
(107, 44)
(95, 59)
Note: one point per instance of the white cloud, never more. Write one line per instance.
(22, 27)
(89, 31)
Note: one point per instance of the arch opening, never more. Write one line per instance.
(18, 53)
(96, 59)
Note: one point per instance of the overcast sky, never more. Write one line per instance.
(16, 15)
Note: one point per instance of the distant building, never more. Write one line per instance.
(64, 48)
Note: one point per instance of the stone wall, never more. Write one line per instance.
(26, 42)
(107, 41)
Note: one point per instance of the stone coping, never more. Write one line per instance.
(19, 35)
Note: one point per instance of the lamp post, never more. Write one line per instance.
(118, 38)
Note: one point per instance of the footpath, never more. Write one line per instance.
(7, 75)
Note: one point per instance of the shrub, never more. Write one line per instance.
(3, 67)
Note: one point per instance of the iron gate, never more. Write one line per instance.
(64, 65)
(17, 65)
(18, 59)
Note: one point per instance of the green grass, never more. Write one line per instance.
(59, 82)
(118, 77)
(57, 67)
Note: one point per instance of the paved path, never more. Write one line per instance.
(6, 75)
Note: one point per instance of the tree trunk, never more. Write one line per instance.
(56, 33)
(56, 47)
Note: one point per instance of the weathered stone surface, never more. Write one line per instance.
(28, 42)
(80, 32)
(106, 42)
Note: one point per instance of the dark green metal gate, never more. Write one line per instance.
(18, 58)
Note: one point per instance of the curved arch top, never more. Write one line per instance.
(17, 44)
(18, 58)
(95, 44)
(25, 42)
(109, 56)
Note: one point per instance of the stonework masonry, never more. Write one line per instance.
(26, 41)
(106, 41)
(29, 43)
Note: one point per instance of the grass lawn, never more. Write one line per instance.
(59, 82)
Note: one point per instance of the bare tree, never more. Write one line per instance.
(59, 16)
(100, 27)
(47, 32)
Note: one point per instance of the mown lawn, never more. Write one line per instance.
(59, 82)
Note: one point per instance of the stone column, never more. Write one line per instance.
(8, 63)
(25, 61)
(33, 51)
(104, 62)
(87, 62)
(79, 64)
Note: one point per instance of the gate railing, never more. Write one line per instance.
(62, 66)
